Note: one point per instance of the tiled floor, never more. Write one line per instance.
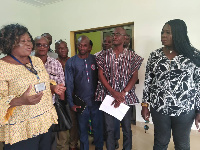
(144, 141)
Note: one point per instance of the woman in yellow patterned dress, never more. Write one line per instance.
(26, 109)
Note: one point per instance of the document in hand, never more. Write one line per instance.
(118, 112)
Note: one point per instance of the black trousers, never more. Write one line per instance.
(180, 126)
(97, 124)
(40, 142)
(126, 128)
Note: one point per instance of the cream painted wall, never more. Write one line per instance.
(12, 11)
(148, 15)
(71, 15)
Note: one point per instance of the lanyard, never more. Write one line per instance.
(32, 70)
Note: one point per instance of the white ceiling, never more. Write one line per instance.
(39, 3)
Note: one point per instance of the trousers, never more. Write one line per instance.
(40, 142)
(180, 127)
(96, 116)
(126, 129)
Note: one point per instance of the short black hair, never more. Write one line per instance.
(58, 43)
(91, 43)
(44, 34)
(10, 36)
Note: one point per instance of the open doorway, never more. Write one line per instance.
(96, 35)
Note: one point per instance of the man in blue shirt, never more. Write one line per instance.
(81, 79)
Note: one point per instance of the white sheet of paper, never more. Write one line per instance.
(118, 112)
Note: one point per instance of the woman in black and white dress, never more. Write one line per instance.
(172, 83)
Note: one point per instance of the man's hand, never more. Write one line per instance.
(118, 96)
(116, 103)
(145, 113)
(74, 108)
(197, 121)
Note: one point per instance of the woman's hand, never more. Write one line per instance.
(25, 99)
(197, 121)
(145, 113)
(58, 89)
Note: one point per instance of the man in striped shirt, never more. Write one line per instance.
(118, 72)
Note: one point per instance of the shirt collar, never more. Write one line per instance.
(121, 54)
(49, 60)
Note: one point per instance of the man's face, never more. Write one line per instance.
(83, 46)
(41, 47)
(107, 42)
(118, 36)
(62, 50)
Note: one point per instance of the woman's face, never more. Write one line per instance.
(166, 36)
(41, 47)
(24, 46)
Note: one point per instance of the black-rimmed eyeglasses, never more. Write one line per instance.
(117, 34)
(42, 45)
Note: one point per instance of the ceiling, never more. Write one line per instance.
(39, 3)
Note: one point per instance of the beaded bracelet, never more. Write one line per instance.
(144, 104)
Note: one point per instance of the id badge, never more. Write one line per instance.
(40, 87)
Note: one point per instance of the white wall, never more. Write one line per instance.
(12, 11)
(149, 17)
(71, 15)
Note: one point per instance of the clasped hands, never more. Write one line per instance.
(119, 98)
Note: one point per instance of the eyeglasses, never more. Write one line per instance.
(117, 34)
(42, 45)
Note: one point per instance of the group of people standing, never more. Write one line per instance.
(27, 89)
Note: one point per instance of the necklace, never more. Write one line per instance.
(170, 51)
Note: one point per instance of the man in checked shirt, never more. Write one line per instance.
(54, 69)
